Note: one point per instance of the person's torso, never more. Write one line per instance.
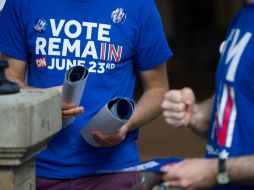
(100, 36)
(113, 39)
(232, 129)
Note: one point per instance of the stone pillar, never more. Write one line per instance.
(27, 121)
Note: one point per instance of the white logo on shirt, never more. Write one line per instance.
(40, 26)
(118, 15)
(224, 154)
(236, 45)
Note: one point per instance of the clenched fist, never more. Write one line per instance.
(178, 106)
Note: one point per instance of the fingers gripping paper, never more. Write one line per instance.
(109, 119)
(73, 87)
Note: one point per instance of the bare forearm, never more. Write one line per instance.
(147, 108)
(155, 85)
(202, 116)
(241, 170)
(21, 83)
(16, 70)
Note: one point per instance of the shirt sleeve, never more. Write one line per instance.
(12, 31)
(151, 45)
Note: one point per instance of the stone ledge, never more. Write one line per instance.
(29, 117)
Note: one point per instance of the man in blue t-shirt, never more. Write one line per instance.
(226, 119)
(114, 40)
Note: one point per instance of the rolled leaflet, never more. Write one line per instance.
(109, 119)
(73, 87)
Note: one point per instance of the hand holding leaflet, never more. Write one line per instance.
(73, 87)
(109, 119)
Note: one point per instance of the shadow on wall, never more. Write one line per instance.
(195, 30)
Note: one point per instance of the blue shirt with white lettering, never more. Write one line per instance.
(232, 129)
(113, 39)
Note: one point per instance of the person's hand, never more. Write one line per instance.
(192, 174)
(70, 110)
(178, 106)
(108, 140)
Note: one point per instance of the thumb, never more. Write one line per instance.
(189, 100)
(188, 96)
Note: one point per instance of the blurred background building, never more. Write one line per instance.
(194, 30)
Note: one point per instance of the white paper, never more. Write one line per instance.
(73, 87)
(109, 119)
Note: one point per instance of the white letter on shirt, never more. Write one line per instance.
(90, 50)
(40, 46)
(90, 26)
(53, 48)
(56, 30)
(235, 52)
(70, 48)
(77, 26)
(103, 32)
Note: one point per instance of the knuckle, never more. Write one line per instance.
(172, 94)
(71, 111)
(181, 115)
(164, 104)
(181, 107)
(165, 113)
(187, 89)
(169, 121)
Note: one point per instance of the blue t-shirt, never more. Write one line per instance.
(232, 129)
(113, 39)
